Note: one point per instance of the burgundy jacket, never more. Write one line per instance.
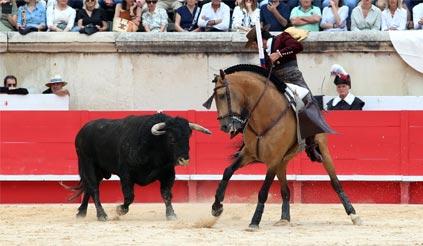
(287, 46)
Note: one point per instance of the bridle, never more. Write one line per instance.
(237, 116)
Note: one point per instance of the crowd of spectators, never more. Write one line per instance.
(90, 16)
(55, 86)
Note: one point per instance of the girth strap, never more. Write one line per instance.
(266, 130)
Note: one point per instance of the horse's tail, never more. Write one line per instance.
(77, 190)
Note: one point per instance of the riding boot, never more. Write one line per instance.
(311, 119)
(312, 150)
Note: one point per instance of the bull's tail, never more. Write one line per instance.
(77, 190)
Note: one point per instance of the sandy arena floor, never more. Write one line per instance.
(145, 224)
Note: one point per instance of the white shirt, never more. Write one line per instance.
(207, 13)
(371, 22)
(398, 21)
(56, 16)
(348, 99)
(417, 15)
(329, 18)
(240, 18)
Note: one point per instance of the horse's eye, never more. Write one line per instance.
(221, 96)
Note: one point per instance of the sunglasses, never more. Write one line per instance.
(90, 1)
(10, 85)
(153, 2)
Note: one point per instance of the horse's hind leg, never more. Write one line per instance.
(262, 198)
(330, 169)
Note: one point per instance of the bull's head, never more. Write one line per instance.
(177, 132)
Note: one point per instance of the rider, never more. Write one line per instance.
(280, 52)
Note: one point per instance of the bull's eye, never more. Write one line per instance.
(172, 140)
(221, 96)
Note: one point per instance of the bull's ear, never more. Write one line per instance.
(222, 74)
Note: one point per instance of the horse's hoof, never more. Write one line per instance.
(252, 228)
(171, 217)
(356, 220)
(121, 210)
(217, 210)
(102, 217)
(282, 223)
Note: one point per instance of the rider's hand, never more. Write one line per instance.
(274, 57)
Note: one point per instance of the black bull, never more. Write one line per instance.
(138, 149)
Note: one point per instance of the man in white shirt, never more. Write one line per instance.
(214, 17)
(418, 16)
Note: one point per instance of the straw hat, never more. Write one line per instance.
(56, 79)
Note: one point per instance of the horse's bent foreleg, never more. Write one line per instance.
(217, 207)
(330, 169)
(262, 198)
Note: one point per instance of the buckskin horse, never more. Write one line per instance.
(247, 101)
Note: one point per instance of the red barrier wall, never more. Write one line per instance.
(370, 143)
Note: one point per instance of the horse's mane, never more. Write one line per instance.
(258, 70)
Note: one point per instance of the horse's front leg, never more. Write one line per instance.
(330, 169)
(285, 193)
(262, 198)
(217, 207)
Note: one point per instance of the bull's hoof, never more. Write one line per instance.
(171, 217)
(81, 214)
(217, 210)
(282, 223)
(121, 210)
(253, 227)
(356, 220)
(102, 217)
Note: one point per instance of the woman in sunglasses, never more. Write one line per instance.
(11, 86)
(128, 10)
(90, 18)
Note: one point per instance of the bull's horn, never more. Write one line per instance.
(155, 130)
(197, 127)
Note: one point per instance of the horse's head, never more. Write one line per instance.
(231, 114)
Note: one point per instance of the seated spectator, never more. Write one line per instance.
(169, 5)
(418, 16)
(186, 17)
(154, 19)
(334, 17)
(56, 85)
(214, 17)
(394, 17)
(345, 99)
(31, 17)
(130, 11)
(8, 16)
(366, 16)
(60, 18)
(306, 16)
(90, 16)
(351, 4)
(245, 16)
(109, 7)
(11, 86)
(276, 14)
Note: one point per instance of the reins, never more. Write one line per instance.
(260, 135)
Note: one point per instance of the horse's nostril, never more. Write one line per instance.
(224, 128)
